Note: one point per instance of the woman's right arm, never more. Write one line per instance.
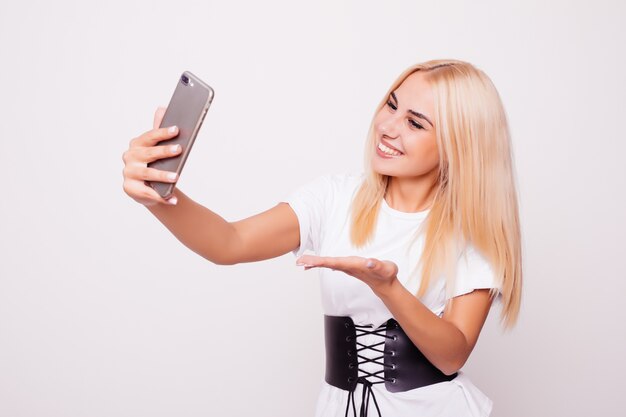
(266, 235)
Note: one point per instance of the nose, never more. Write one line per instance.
(389, 127)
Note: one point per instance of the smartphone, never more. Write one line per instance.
(187, 108)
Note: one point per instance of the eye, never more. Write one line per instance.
(415, 124)
(390, 104)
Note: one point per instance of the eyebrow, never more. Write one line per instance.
(413, 112)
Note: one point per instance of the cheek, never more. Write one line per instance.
(433, 151)
(426, 150)
(379, 119)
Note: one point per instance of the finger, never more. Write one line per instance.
(154, 136)
(373, 263)
(142, 173)
(158, 117)
(306, 260)
(146, 194)
(152, 153)
(384, 268)
(323, 261)
(310, 261)
(171, 200)
(154, 196)
(336, 263)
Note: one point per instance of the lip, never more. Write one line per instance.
(384, 155)
(389, 146)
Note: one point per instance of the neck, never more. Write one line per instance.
(412, 194)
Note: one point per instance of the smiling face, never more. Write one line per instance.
(405, 140)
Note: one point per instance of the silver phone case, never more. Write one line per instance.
(187, 109)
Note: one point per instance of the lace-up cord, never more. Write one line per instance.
(362, 379)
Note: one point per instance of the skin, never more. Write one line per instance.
(142, 150)
(413, 175)
(447, 341)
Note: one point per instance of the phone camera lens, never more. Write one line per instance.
(185, 79)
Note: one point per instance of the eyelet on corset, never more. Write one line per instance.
(393, 380)
(349, 339)
(350, 379)
(349, 353)
(350, 365)
(395, 337)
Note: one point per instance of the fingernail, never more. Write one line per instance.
(299, 263)
(172, 129)
(171, 176)
(370, 264)
(174, 148)
(173, 201)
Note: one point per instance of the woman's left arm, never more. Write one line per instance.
(446, 341)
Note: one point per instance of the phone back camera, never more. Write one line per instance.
(185, 79)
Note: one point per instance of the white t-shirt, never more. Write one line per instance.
(323, 209)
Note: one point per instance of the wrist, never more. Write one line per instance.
(389, 289)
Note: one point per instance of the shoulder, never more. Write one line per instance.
(474, 271)
(324, 191)
(472, 258)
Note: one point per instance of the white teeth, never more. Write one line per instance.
(388, 150)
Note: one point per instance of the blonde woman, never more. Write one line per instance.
(411, 253)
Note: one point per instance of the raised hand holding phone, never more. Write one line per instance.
(186, 110)
(155, 159)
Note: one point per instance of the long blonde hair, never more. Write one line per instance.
(476, 197)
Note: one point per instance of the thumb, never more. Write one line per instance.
(392, 267)
(389, 266)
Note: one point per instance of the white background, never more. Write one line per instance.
(104, 313)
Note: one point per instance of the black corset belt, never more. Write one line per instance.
(404, 367)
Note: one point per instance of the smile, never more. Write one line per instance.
(388, 151)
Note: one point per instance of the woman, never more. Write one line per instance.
(430, 233)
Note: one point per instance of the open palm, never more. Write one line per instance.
(375, 273)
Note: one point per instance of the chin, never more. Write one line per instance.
(383, 170)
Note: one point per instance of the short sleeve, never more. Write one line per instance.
(473, 272)
(310, 202)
